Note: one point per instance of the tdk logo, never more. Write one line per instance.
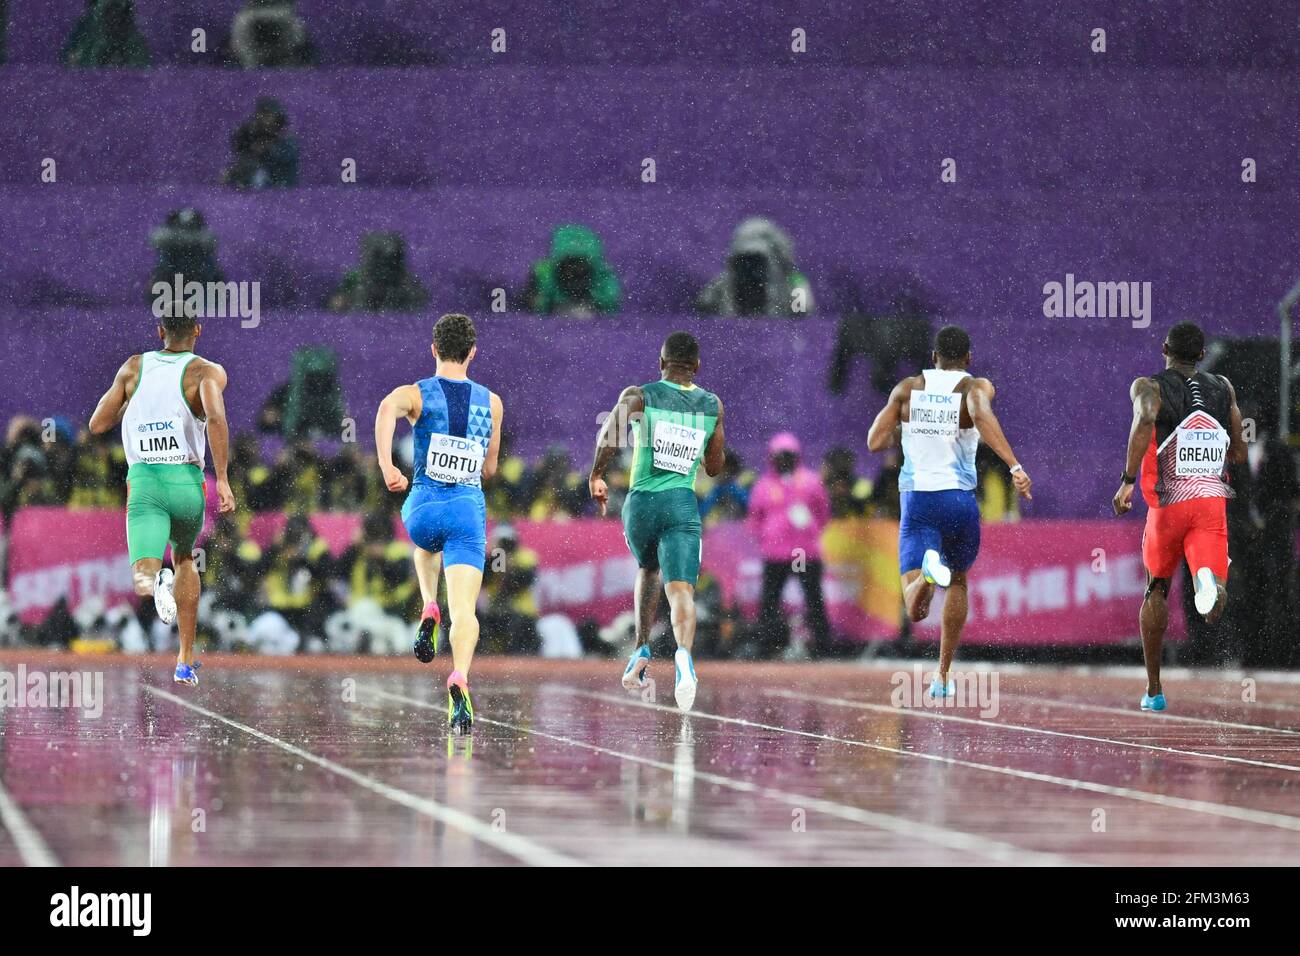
(157, 427)
(944, 399)
(1200, 433)
(461, 443)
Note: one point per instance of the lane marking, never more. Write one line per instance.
(521, 848)
(1244, 814)
(32, 848)
(1129, 711)
(941, 836)
(982, 722)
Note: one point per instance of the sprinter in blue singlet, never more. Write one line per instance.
(939, 418)
(457, 425)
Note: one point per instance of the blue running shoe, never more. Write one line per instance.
(684, 690)
(1153, 703)
(634, 673)
(938, 690)
(187, 674)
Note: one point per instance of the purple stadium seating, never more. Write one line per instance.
(1244, 33)
(750, 128)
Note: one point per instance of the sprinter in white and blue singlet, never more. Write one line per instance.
(939, 418)
(457, 425)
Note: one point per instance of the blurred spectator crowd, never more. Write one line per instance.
(293, 595)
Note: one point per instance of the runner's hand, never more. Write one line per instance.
(394, 480)
(599, 491)
(1021, 480)
(225, 498)
(1123, 502)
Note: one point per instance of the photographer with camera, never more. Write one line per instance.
(266, 157)
(269, 33)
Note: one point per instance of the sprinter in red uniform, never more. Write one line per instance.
(1186, 429)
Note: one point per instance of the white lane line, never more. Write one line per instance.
(1164, 715)
(521, 848)
(941, 836)
(1244, 814)
(1022, 728)
(32, 848)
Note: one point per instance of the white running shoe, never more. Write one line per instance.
(686, 683)
(934, 570)
(1207, 591)
(163, 598)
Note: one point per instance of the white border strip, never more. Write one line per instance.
(521, 848)
(1004, 853)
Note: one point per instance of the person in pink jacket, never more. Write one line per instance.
(788, 508)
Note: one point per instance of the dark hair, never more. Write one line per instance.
(179, 322)
(1186, 342)
(681, 348)
(952, 343)
(454, 337)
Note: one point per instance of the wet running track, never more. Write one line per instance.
(341, 761)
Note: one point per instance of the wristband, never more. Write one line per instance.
(1017, 467)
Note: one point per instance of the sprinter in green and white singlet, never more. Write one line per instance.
(169, 403)
(675, 426)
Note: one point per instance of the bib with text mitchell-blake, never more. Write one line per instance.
(677, 447)
(935, 414)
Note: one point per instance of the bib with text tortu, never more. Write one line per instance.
(677, 447)
(935, 414)
(454, 460)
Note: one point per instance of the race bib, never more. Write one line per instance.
(677, 447)
(161, 442)
(457, 461)
(1201, 452)
(935, 414)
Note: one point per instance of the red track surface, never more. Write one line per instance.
(274, 762)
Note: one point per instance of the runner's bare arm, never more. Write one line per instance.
(494, 444)
(715, 452)
(884, 429)
(1146, 405)
(1236, 443)
(979, 403)
(211, 385)
(108, 413)
(610, 438)
(401, 402)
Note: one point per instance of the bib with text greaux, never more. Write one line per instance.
(1201, 452)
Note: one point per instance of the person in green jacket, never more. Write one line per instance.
(575, 279)
(106, 35)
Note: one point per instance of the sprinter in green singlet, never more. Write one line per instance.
(675, 425)
(170, 406)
